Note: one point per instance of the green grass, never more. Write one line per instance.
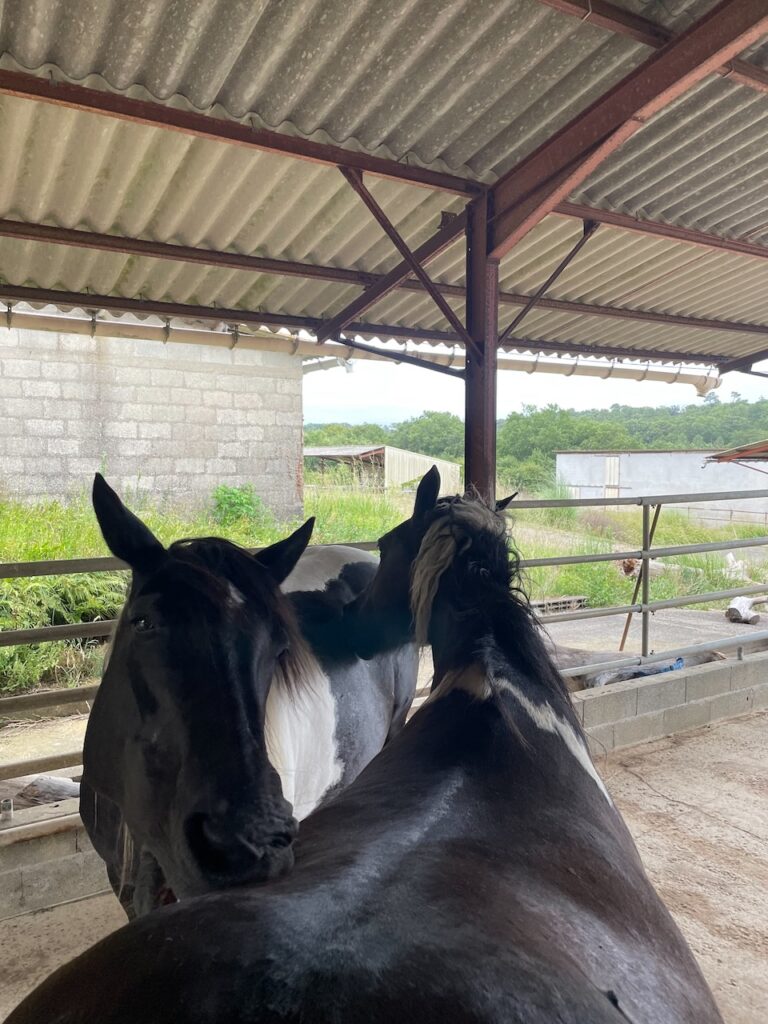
(595, 530)
(55, 530)
(344, 513)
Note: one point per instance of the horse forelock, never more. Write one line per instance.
(228, 576)
(458, 523)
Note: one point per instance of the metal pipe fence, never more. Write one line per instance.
(645, 607)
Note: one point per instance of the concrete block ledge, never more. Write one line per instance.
(640, 710)
(45, 861)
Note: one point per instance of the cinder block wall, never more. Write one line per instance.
(173, 421)
(640, 710)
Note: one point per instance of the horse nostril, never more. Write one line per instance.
(281, 841)
(221, 849)
(206, 844)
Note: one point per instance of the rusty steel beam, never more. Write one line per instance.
(216, 314)
(160, 308)
(481, 359)
(182, 253)
(340, 275)
(404, 357)
(611, 351)
(590, 226)
(355, 179)
(674, 232)
(190, 122)
(614, 19)
(634, 26)
(642, 315)
(744, 363)
(532, 189)
(388, 282)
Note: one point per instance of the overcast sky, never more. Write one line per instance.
(380, 392)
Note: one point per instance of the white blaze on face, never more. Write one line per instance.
(320, 564)
(300, 730)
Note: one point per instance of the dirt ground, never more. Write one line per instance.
(697, 805)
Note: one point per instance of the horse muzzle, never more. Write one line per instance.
(227, 856)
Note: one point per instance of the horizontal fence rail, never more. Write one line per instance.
(724, 644)
(640, 500)
(73, 566)
(644, 607)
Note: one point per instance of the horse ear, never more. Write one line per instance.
(426, 493)
(281, 558)
(504, 503)
(125, 534)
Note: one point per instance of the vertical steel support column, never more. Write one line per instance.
(480, 374)
(646, 571)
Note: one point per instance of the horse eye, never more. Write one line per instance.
(142, 624)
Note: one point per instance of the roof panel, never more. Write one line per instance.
(472, 85)
(701, 163)
(468, 84)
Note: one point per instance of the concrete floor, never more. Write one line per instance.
(669, 628)
(697, 805)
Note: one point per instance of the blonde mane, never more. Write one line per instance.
(448, 537)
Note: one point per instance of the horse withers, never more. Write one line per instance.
(476, 871)
(228, 708)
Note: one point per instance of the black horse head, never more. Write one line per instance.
(382, 617)
(176, 736)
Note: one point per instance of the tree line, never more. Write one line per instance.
(527, 441)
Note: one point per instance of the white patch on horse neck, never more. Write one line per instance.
(475, 681)
(472, 680)
(544, 716)
(318, 565)
(300, 730)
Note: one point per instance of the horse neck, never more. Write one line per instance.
(496, 655)
(495, 631)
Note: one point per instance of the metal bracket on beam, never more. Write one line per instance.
(400, 357)
(355, 179)
(589, 227)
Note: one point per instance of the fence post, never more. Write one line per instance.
(645, 570)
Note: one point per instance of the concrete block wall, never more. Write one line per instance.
(45, 870)
(640, 710)
(172, 421)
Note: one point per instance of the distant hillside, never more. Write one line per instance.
(528, 440)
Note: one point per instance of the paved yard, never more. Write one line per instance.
(697, 805)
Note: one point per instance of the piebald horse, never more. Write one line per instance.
(228, 709)
(476, 871)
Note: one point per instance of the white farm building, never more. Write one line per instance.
(627, 474)
(386, 466)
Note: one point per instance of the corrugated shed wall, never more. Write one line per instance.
(401, 467)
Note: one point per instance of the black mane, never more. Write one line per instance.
(485, 590)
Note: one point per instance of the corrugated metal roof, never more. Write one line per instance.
(467, 85)
(702, 163)
(755, 452)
